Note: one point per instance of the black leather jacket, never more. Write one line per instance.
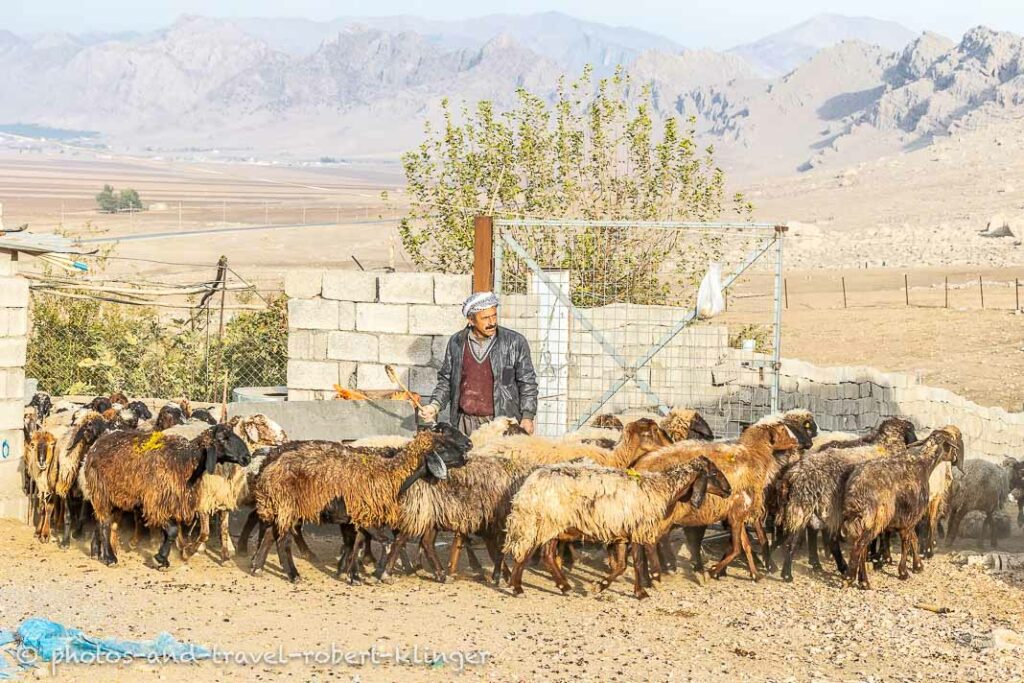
(515, 382)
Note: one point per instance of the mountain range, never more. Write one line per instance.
(830, 90)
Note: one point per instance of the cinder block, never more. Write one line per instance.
(452, 289)
(407, 288)
(372, 376)
(17, 322)
(307, 344)
(7, 266)
(382, 318)
(422, 380)
(438, 346)
(446, 320)
(12, 383)
(12, 352)
(300, 395)
(12, 412)
(4, 316)
(354, 346)
(13, 292)
(350, 285)
(313, 314)
(303, 284)
(307, 374)
(404, 349)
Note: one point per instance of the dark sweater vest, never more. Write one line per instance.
(476, 388)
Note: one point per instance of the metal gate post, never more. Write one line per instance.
(780, 231)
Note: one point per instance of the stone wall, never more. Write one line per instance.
(13, 332)
(345, 326)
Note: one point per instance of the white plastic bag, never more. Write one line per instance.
(710, 301)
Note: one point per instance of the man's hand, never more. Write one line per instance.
(428, 413)
(527, 424)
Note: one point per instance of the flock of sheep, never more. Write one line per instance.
(625, 486)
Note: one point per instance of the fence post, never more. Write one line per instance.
(780, 233)
(483, 253)
(906, 288)
(981, 288)
(844, 291)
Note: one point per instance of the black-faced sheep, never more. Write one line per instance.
(891, 494)
(749, 464)
(156, 473)
(570, 501)
(810, 490)
(301, 484)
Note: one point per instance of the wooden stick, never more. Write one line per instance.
(906, 288)
(844, 291)
(937, 609)
(785, 288)
(947, 291)
(981, 288)
(1016, 292)
(393, 376)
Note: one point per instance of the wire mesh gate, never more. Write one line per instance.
(609, 309)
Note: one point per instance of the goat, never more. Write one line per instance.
(572, 500)
(308, 478)
(204, 415)
(891, 494)
(158, 473)
(169, 416)
(42, 404)
(1015, 477)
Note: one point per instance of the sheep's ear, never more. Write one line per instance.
(699, 491)
(412, 479)
(700, 427)
(436, 466)
(664, 436)
(211, 458)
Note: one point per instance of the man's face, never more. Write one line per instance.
(485, 323)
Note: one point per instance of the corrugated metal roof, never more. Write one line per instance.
(31, 243)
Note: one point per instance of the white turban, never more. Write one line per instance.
(480, 301)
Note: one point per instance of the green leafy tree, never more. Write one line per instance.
(107, 200)
(595, 153)
(129, 200)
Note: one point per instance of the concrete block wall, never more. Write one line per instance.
(345, 326)
(13, 334)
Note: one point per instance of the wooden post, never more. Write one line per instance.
(946, 289)
(483, 253)
(906, 288)
(844, 291)
(785, 289)
(981, 288)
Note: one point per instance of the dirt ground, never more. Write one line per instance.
(810, 630)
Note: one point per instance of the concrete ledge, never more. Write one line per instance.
(335, 420)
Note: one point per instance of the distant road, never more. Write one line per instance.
(241, 228)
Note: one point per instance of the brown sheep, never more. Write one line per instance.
(156, 473)
(573, 500)
(749, 464)
(891, 494)
(299, 485)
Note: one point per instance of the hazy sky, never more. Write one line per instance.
(695, 23)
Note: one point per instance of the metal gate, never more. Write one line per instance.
(609, 309)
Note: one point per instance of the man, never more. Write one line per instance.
(486, 372)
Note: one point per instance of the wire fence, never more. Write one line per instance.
(609, 311)
(902, 290)
(199, 340)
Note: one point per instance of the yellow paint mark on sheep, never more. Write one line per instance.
(632, 474)
(154, 442)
